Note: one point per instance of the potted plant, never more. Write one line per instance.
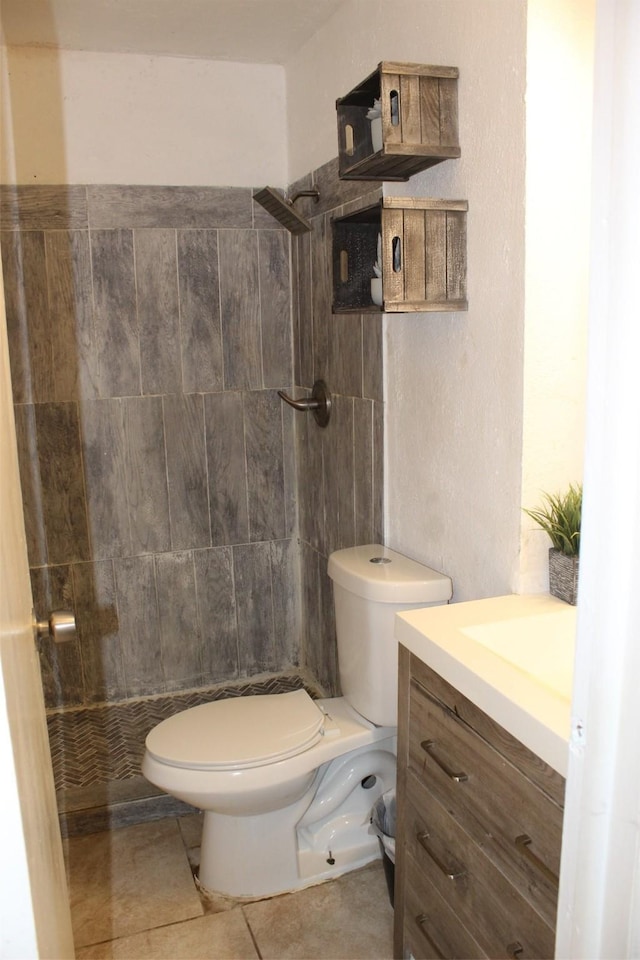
(560, 516)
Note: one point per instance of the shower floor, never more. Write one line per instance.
(97, 751)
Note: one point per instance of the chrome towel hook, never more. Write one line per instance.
(319, 402)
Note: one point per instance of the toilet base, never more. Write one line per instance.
(322, 835)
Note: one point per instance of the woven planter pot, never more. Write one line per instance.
(563, 576)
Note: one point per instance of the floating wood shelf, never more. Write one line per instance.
(419, 106)
(424, 256)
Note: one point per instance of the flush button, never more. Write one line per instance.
(380, 560)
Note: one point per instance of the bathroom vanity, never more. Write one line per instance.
(482, 751)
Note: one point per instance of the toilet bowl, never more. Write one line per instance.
(281, 823)
(287, 783)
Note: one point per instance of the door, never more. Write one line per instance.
(34, 908)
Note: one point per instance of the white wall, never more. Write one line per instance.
(560, 42)
(72, 117)
(464, 417)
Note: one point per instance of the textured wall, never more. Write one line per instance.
(166, 120)
(339, 468)
(149, 330)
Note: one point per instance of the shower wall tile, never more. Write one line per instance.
(252, 574)
(187, 471)
(70, 322)
(378, 473)
(303, 343)
(64, 507)
(339, 467)
(218, 626)
(275, 303)
(290, 472)
(335, 192)
(199, 292)
(113, 207)
(150, 329)
(25, 279)
(178, 620)
(321, 295)
(227, 468)
(31, 483)
(363, 439)
(139, 625)
(97, 627)
(146, 473)
(328, 669)
(158, 321)
(372, 372)
(60, 663)
(115, 313)
(240, 309)
(311, 481)
(32, 207)
(104, 454)
(264, 465)
(339, 470)
(285, 584)
(345, 354)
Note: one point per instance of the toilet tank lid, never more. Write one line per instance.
(378, 573)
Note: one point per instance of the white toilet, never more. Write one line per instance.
(287, 783)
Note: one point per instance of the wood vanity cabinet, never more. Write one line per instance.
(478, 831)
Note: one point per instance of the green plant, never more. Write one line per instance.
(560, 516)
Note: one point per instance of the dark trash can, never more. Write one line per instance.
(383, 822)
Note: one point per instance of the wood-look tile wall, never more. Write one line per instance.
(340, 468)
(149, 330)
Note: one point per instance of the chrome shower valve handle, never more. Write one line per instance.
(319, 402)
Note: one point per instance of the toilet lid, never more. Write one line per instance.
(238, 732)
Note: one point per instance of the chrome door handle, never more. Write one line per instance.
(60, 627)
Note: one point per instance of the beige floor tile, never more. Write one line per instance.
(347, 919)
(125, 881)
(221, 937)
(191, 829)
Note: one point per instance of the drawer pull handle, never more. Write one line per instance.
(450, 872)
(427, 746)
(523, 843)
(422, 919)
(515, 949)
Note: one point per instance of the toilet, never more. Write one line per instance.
(287, 783)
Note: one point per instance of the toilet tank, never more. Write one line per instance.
(370, 585)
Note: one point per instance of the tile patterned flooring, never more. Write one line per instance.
(133, 897)
(131, 887)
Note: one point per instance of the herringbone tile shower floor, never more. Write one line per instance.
(99, 744)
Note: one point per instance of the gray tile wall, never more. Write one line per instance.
(149, 330)
(339, 468)
(170, 497)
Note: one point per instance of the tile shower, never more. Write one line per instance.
(171, 499)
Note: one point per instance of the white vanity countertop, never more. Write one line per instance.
(512, 656)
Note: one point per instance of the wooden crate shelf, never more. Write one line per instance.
(424, 256)
(419, 122)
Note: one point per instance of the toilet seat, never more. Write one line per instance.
(240, 732)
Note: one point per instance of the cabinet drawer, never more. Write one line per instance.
(431, 928)
(495, 804)
(500, 919)
(548, 780)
